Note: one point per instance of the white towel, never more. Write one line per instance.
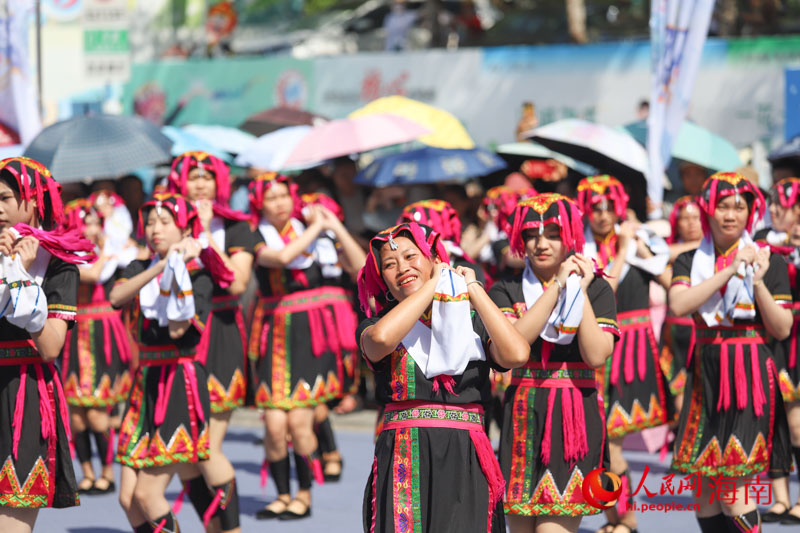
(655, 265)
(568, 311)
(738, 300)
(446, 347)
(22, 300)
(170, 297)
(274, 241)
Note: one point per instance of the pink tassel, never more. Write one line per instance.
(316, 468)
(191, 376)
(212, 508)
(490, 469)
(262, 341)
(317, 332)
(568, 427)
(19, 408)
(616, 360)
(579, 417)
(160, 527)
(164, 390)
(548, 427)
(375, 494)
(793, 344)
(178, 503)
(629, 338)
(264, 473)
(220, 273)
(46, 414)
(759, 400)
(107, 340)
(62, 401)
(110, 452)
(331, 334)
(740, 377)
(624, 495)
(446, 381)
(641, 357)
(724, 401)
(547, 348)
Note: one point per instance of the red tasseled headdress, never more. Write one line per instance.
(34, 181)
(682, 202)
(317, 198)
(786, 192)
(370, 280)
(723, 184)
(544, 209)
(76, 211)
(260, 185)
(184, 163)
(185, 216)
(594, 189)
(501, 201)
(438, 214)
(104, 195)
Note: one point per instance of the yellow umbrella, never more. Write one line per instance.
(448, 132)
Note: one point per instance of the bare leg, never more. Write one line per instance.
(100, 422)
(127, 484)
(14, 520)
(151, 485)
(702, 499)
(520, 524)
(557, 524)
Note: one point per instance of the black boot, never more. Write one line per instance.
(228, 509)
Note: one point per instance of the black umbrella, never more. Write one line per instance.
(98, 146)
(790, 152)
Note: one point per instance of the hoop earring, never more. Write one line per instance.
(389, 296)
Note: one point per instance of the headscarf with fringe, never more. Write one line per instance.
(595, 189)
(184, 163)
(680, 205)
(440, 215)
(33, 180)
(258, 188)
(723, 184)
(501, 201)
(544, 209)
(370, 280)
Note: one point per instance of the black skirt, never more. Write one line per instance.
(225, 349)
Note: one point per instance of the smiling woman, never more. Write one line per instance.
(434, 379)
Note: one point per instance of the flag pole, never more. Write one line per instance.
(39, 57)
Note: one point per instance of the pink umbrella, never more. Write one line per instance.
(353, 135)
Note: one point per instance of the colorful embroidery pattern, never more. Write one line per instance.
(222, 399)
(548, 500)
(455, 415)
(33, 493)
(518, 489)
(405, 477)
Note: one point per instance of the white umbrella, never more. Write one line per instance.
(270, 151)
(531, 149)
(225, 138)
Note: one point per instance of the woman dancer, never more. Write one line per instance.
(434, 469)
(96, 353)
(733, 422)
(34, 434)
(204, 180)
(632, 384)
(784, 209)
(568, 316)
(166, 422)
(677, 333)
(300, 328)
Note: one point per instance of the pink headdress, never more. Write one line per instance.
(679, 206)
(501, 201)
(76, 211)
(595, 189)
(786, 192)
(438, 214)
(723, 184)
(184, 163)
(544, 209)
(33, 180)
(317, 198)
(370, 280)
(260, 185)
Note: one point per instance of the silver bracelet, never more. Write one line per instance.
(560, 286)
(478, 282)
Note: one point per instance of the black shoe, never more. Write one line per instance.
(771, 516)
(291, 515)
(86, 490)
(268, 514)
(333, 477)
(96, 490)
(790, 519)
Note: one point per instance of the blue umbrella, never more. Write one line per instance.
(184, 141)
(98, 146)
(429, 165)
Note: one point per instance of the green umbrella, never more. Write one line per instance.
(695, 145)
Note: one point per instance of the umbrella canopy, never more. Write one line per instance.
(183, 141)
(429, 165)
(607, 149)
(537, 151)
(353, 135)
(789, 151)
(225, 138)
(99, 146)
(276, 118)
(270, 151)
(695, 145)
(446, 130)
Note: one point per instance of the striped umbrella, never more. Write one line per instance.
(98, 146)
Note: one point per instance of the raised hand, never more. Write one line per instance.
(761, 263)
(205, 211)
(746, 255)
(585, 270)
(27, 247)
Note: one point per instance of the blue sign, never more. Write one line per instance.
(792, 125)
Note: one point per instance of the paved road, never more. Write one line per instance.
(336, 506)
